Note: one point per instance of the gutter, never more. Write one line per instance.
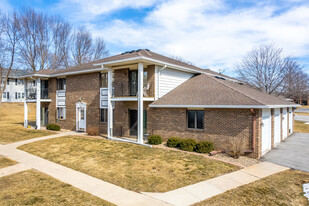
(225, 106)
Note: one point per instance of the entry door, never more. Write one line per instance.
(81, 116)
(44, 116)
(266, 131)
(82, 119)
(277, 127)
(133, 122)
(284, 123)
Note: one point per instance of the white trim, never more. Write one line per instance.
(46, 100)
(66, 73)
(140, 111)
(224, 106)
(38, 103)
(109, 103)
(116, 99)
(80, 105)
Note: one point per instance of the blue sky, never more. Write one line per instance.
(213, 34)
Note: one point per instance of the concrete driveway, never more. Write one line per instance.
(293, 152)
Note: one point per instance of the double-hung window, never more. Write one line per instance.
(61, 113)
(195, 119)
(104, 82)
(4, 95)
(103, 115)
(18, 95)
(61, 84)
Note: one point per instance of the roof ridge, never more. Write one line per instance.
(236, 90)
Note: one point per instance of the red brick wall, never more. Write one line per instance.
(219, 126)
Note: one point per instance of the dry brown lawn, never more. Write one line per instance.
(11, 123)
(5, 162)
(284, 188)
(134, 167)
(300, 126)
(34, 188)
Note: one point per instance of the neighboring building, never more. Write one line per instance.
(14, 91)
(141, 92)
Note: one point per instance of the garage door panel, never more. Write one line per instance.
(266, 130)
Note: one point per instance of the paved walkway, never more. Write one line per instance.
(302, 118)
(203, 190)
(293, 152)
(13, 169)
(183, 196)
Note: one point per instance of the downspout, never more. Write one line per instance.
(159, 74)
(253, 128)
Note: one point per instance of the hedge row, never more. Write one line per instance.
(53, 127)
(190, 145)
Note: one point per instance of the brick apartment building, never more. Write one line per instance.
(142, 92)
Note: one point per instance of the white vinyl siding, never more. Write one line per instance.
(168, 79)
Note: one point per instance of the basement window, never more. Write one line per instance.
(195, 119)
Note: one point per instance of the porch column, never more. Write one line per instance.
(25, 114)
(38, 103)
(140, 103)
(109, 103)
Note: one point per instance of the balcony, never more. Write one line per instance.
(31, 93)
(131, 89)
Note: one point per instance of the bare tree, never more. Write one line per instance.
(9, 37)
(267, 69)
(84, 49)
(181, 59)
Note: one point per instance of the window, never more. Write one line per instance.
(8, 95)
(18, 95)
(23, 95)
(8, 82)
(61, 113)
(16, 81)
(61, 84)
(15, 95)
(103, 115)
(195, 119)
(104, 81)
(4, 95)
(34, 83)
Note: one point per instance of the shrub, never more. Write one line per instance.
(93, 131)
(154, 139)
(187, 144)
(237, 146)
(53, 127)
(173, 142)
(204, 147)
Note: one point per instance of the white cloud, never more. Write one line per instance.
(5, 6)
(206, 32)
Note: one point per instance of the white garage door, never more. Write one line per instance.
(290, 121)
(266, 131)
(277, 127)
(284, 123)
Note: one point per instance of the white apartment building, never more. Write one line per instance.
(15, 88)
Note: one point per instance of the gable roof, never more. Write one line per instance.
(208, 91)
(134, 54)
(15, 73)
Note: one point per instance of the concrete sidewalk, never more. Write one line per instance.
(13, 169)
(203, 190)
(183, 196)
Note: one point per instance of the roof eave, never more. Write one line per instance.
(225, 106)
(142, 58)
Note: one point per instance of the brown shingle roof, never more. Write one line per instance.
(208, 90)
(138, 53)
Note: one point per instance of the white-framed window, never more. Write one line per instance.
(16, 81)
(8, 95)
(61, 113)
(4, 95)
(103, 117)
(61, 84)
(104, 82)
(23, 95)
(195, 119)
(8, 82)
(18, 95)
(15, 95)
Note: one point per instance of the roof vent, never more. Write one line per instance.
(218, 77)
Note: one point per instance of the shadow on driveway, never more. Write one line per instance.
(293, 152)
